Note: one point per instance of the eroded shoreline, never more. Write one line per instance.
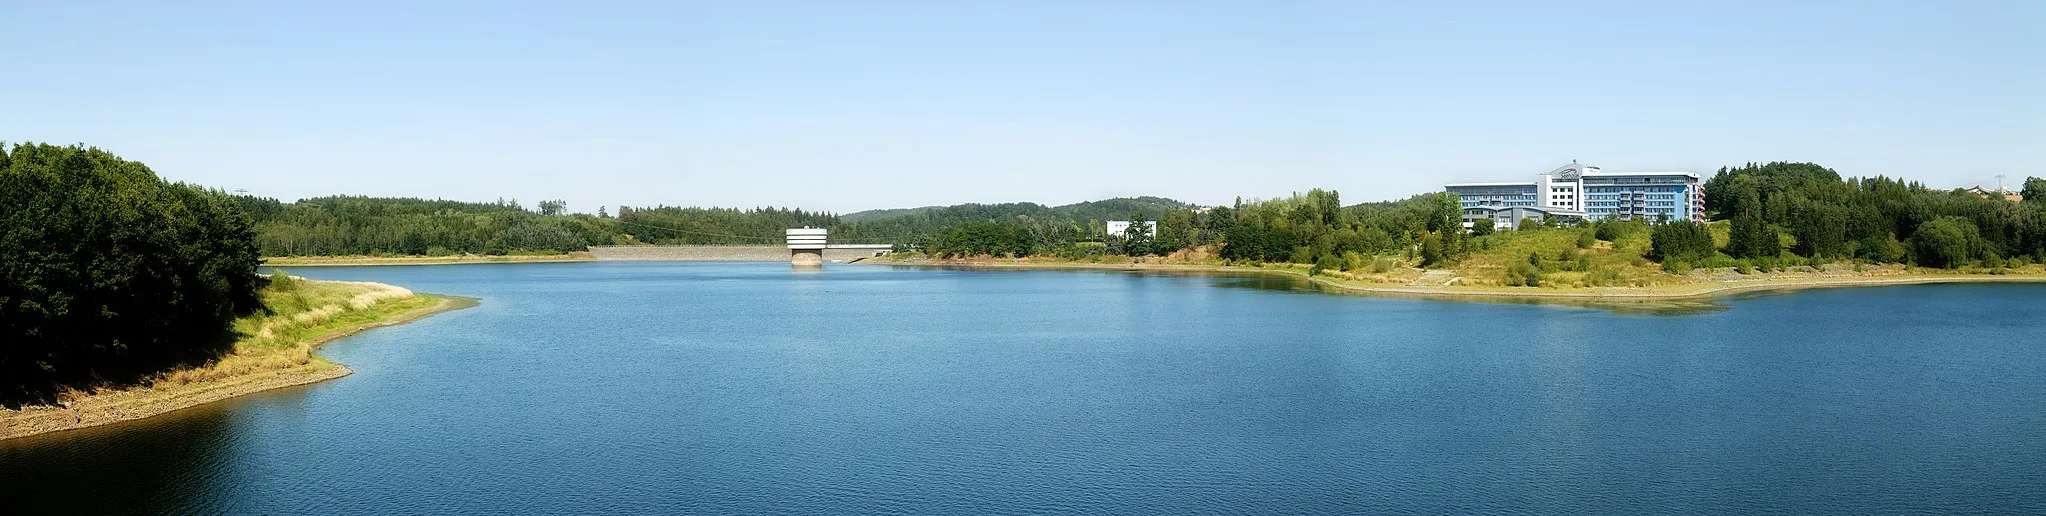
(148, 401)
(1692, 292)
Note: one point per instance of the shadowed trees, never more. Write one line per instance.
(109, 274)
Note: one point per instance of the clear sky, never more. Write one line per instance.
(842, 107)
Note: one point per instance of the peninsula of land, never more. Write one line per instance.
(273, 350)
(1470, 285)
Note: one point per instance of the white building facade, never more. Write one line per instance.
(1587, 192)
(1118, 228)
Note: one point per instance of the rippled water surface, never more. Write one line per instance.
(751, 388)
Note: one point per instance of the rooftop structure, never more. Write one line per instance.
(1987, 193)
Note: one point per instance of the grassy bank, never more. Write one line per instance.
(1568, 267)
(272, 350)
(326, 261)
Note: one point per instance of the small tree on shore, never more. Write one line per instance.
(1681, 241)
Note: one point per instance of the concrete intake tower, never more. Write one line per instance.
(806, 246)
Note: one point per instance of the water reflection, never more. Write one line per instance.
(176, 463)
(1293, 283)
(660, 388)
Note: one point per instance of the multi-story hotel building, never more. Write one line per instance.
(1585, 192)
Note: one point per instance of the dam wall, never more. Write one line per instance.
(713, 253)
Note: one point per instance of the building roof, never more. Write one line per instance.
(1692, 175)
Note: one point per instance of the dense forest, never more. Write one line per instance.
(338, 226)
(1802, 210)
(1303, 228)
(344, 225)
(108, 273)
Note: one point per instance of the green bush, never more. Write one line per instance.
(1614, 230)
(1946, 242)
(1326, 262)
(1354, 261)
(282, 281)
(1581, 264)
(1678, 267)
(1381, 266)
(1302, 255)
(1682, 241)
(1750, 237)
(1602, 278)
(1523, 275)
(1721, 261)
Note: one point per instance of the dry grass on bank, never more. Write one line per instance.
(302, 311)
(273, 350)
(1615, 269)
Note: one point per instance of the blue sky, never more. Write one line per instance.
(841, 107)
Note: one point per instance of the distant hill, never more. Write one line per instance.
(1105, 209)
(1122, 208)
(917, 221)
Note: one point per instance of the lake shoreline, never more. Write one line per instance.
(1697, 291)
(134, 403)
(357, 261)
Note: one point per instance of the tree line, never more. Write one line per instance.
(1774, 214)
(1779, 211)
(355, 225)
(108, 273)
(1309, 228)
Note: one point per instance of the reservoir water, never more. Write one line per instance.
(754, 389)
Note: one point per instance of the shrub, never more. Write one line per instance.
(1523, 275)
(1585, 240)
(1945, 242)
(1580, 265)
(1614, 230)
(1678, 267)
(1752, 238)
(1602, 278)
(1354, 261)
(1381, 266)
(1326, 262)
(281, 281)
(1682, 241)
(1720, 261)
(1434, 252)
(1302, 255)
